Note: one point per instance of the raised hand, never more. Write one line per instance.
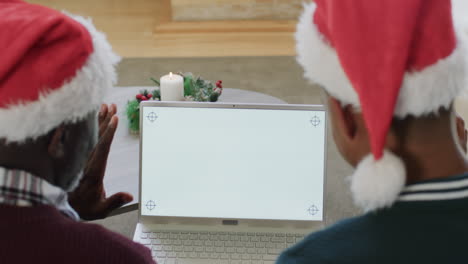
(89, 198)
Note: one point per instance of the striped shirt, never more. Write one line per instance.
(436, 190)
(428, 224)
(20, 188)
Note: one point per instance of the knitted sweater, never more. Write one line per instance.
(429, 224)
(41, 234)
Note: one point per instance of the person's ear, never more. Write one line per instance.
(56, 147)
(345, 120)
(461, 132)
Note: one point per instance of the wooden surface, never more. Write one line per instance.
(123, 163)
(190, 10)
(271, 26)
(144, 28)
(209, 45)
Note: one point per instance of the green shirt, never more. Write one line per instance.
(428, 224)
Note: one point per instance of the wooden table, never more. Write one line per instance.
(122, 166)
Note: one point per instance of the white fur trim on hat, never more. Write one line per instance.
(460, 14)
(377, 184)
(68, 104)
(422, 92)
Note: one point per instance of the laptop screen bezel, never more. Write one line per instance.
(213, 221)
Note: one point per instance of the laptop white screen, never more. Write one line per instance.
(233, 163)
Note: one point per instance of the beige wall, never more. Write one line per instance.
(144, 28)
(128, 25)
(193, 10)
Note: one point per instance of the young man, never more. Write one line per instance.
(54, 70)
(392, 69)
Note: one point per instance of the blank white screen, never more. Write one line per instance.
(233, 163)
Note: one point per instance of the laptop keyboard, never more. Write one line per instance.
(180, 247)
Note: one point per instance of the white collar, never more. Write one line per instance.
(451, 188)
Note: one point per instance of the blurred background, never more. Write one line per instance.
(249, 44)
(193, 28)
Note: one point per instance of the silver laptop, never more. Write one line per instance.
(229, 183)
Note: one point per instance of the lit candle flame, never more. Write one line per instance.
(170, 75)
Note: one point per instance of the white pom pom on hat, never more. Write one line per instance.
(389, 59)
(378, 183)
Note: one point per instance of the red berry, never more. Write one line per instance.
(143, 98)
(149, 96)
(220, 81)
(138, 96)
(219, 85)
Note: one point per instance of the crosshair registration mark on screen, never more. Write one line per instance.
(152, 117)
(313, 210)
(315, 121)
(150, 205)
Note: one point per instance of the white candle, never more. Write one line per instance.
(172, 87)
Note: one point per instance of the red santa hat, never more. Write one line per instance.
(388, 58)
(54, 69)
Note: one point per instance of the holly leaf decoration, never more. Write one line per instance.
(214, 97)
(195, 88)
(133, 115)
(155, 81)
(189, 86)
(157, 94)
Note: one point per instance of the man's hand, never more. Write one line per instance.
(89, 198)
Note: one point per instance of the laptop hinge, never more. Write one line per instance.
(230, 222)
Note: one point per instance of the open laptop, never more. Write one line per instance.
(229, 183)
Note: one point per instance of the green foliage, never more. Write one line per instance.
(214, 97)
(157, 94)
(155, 81)
(133, 115)
(189, 86)
(200, 90)
(195, 88)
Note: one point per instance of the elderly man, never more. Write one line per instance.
(392, 69)
(54, 71)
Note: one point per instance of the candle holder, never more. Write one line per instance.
(195, 89)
